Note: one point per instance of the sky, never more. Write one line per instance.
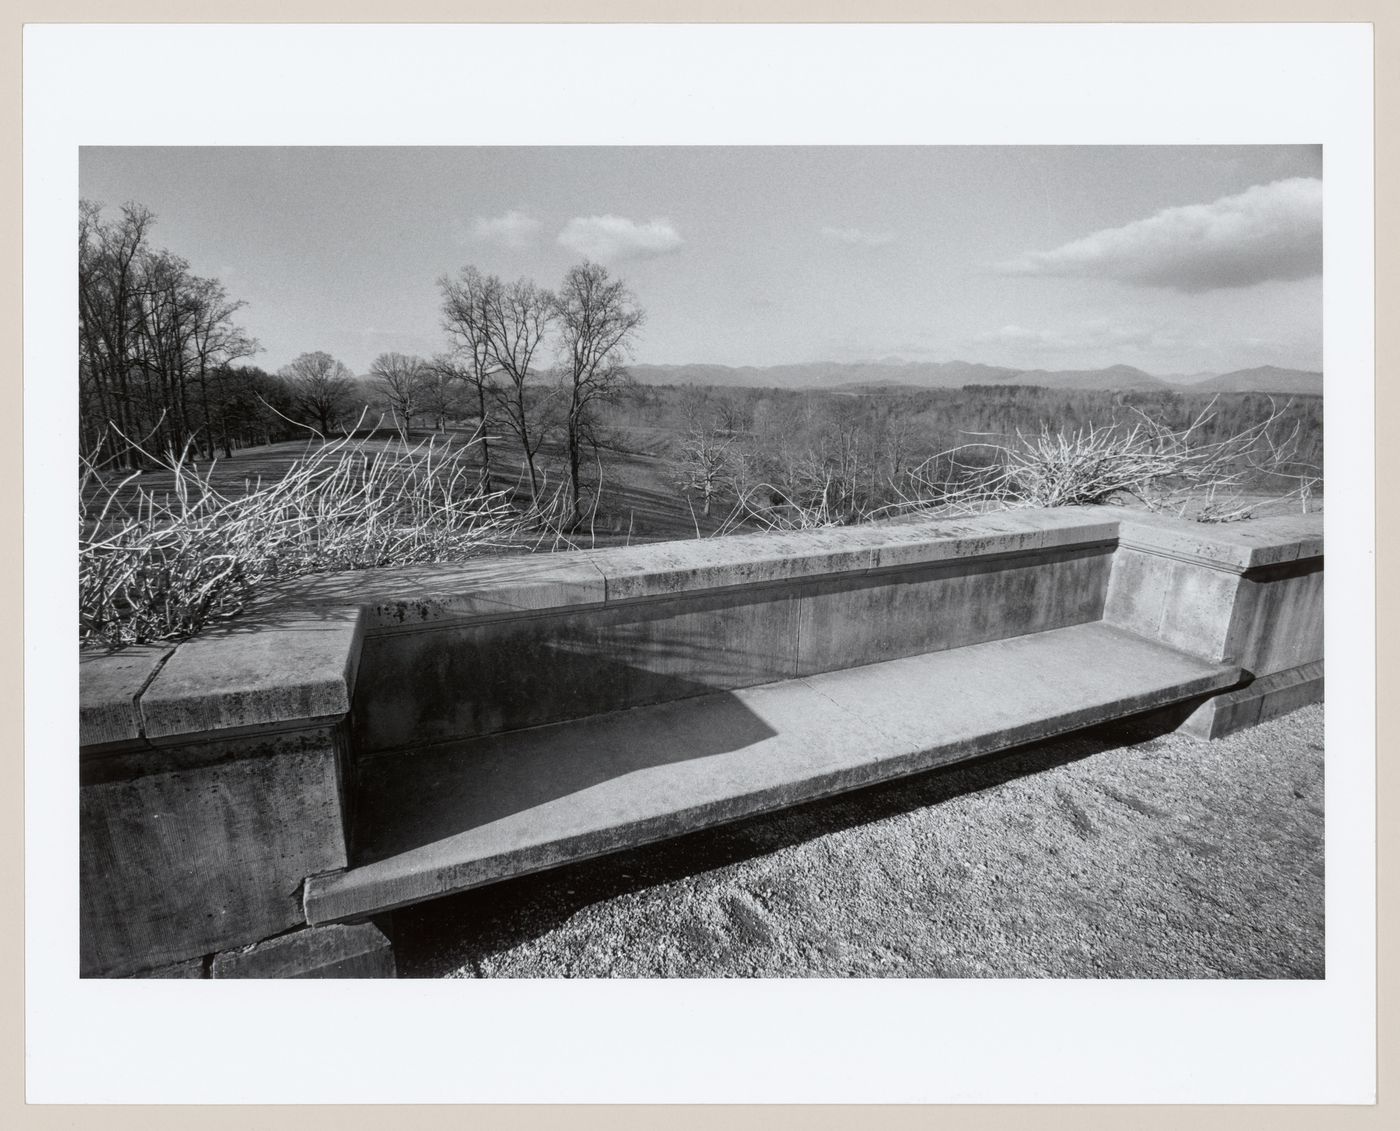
(1175, 259)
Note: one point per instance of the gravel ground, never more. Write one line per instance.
(1121, 852)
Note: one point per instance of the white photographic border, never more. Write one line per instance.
(894, 1040)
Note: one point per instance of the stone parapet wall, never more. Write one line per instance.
(676, 620)
(214, 773)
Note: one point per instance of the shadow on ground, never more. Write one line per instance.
(1122, 851)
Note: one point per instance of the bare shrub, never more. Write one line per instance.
(163, 566)
(766, 506)
(1174, 470)
(1180, 471)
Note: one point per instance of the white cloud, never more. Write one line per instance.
(514, 229)
(608, 238)
(1271, 231)
(858, 237)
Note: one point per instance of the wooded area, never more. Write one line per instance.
(846, 455)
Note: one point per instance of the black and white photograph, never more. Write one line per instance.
(702, 562)
(699, 564)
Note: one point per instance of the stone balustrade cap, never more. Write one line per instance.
(266, 671)
(109, 685)
(1236, 546)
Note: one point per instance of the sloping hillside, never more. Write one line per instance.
(1265, 379)
(1114, 377)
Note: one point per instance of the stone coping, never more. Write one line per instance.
(291, 660)
(493, 586)
(1237, 547)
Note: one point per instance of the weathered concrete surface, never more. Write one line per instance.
(464, 678)
(1265, 698)
(1237, 546)
(458, 816)
(1010, 532)
(942, 605)
(108, 685)
(266, 671)
(1183, 604)
(1123, 852)
(752, 559)
(1277, 622)
(193, 968)
(498, 586)
(1250, 594)
(490, 676)
(415, 596)
(359, 951)
(292, 657)
(184, 862)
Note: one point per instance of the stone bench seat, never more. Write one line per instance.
(464, 814)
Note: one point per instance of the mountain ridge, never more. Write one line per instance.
(955, 374)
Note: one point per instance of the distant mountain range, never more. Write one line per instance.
(1264, 379)
(955, 374)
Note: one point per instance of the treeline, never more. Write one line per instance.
(157, 346)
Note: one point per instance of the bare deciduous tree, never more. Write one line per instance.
(108, 265)
(215, 342)
(466, 305)
(704, 464)
(398, 379)
(598, 320)
(440, 393)
(733, 414)
(517, 318)
(322, 388)
(696, 406)
(151, 336)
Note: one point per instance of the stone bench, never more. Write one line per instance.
(253, 798)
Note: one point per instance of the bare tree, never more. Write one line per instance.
(398, 378)
(440, 392)
(215, 342)
(696, 406)
(733, 414)
(598, 320)
(467, 302)
(322, 388)
(898, 443)
(517, 318)
(704, 464)
(108, 268)
(151, 336)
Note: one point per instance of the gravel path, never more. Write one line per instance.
(1116, 853)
